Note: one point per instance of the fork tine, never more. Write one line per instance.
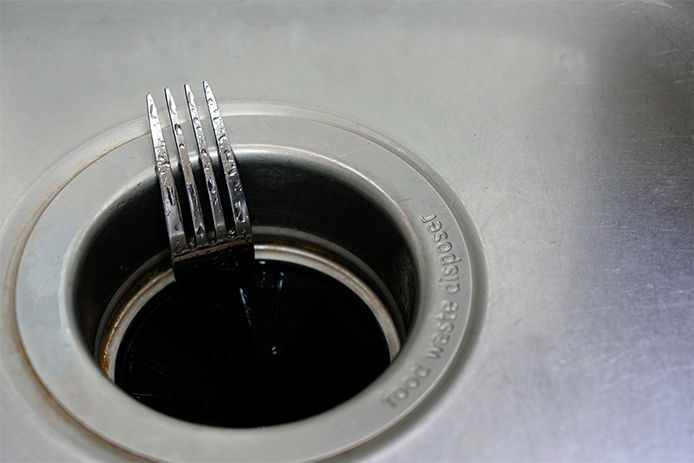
(191, 189)
(172, 209)
(212, 190)
(228, 159)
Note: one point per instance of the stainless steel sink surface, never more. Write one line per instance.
(562, 129)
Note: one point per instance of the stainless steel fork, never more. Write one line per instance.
(224, 248)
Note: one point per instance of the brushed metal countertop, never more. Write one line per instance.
(565, 129)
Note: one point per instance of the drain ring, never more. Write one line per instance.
(443, 308)
(130, 307)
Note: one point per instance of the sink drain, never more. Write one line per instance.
(312, 329)
(338, 211)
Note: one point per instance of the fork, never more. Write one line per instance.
(224, 248)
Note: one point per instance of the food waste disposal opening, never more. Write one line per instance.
(317, 317)
(281, 342)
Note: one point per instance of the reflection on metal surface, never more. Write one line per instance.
(196, 259)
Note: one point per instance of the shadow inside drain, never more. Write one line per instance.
(286, 343)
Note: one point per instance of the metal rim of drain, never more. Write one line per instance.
(128, 308)
(433, 224)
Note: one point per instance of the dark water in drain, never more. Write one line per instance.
(287, 343)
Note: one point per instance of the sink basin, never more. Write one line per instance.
(563, 129)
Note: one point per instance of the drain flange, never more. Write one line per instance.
(415, 245)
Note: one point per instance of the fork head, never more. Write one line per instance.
(200, 252)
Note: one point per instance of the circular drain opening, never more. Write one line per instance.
(315, 184)
(318, 319)
(282, 342)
